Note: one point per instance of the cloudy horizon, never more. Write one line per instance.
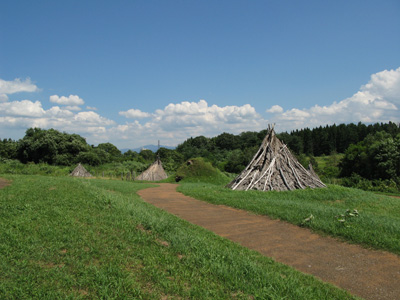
(378, 100)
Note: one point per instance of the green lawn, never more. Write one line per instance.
(66, 238)
(332, 209)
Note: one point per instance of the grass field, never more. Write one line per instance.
(354, 215)
(66, 238)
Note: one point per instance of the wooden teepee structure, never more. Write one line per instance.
(153, 173)
(80, 171)
(273, 167)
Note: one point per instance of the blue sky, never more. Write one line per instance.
(135, 72)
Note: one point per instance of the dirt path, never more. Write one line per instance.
(3, 183)
(366, 273)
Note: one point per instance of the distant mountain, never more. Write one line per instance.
(153, 148)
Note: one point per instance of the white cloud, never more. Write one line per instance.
(20, 115)
(200, 114)
(134, 114)
(24, 108)
(57, 112)
(179, 121)
(385, 85)
(91, 108)
(275, 109)
(72, 100)
(90, 118)
(15, 86)
(377, 101)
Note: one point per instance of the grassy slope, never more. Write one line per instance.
(69, 238)
(378, 223)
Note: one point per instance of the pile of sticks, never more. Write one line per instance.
(274, 168)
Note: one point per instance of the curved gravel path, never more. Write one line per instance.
(369, 274)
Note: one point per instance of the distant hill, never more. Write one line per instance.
(153, 148)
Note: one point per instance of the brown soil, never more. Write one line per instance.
(365, 273)
(4, 183)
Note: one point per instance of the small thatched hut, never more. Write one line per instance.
(154, 173)
(80, 171)
(273, 167)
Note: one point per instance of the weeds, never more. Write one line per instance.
(347, 217)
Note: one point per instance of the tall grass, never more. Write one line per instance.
(110, 170)
(66, 238)
(10, 166)
(375, 223)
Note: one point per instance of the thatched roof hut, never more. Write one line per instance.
(154, 173)
(80, 171)
(274, 167)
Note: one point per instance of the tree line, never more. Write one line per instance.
(60, 148)
(371, 151)
(232, 153)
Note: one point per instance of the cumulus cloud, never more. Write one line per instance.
(71, 100)
(376, 101)
(24, 108)
(15, 86)
(90, 118)
(134, 114)
(275, 109)
(20, 115)
(178, 121)
(91, 108)
(200, 114)
(384, 85)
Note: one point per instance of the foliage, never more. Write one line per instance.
(335, 138)
(377, 185)
(376, 157)
(147, 155)
(8, 149)
(65, 238)
(50, 146)
(231, 153)
(378, 223)
(60, 148)
(171, 159)
(110, 149)
(327, 166)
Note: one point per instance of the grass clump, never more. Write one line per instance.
(198, 170)
(354, 215)
(68, 238)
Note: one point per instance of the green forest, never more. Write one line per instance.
(355, 155)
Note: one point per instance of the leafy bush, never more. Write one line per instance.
(376, 157)
(377, 185)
